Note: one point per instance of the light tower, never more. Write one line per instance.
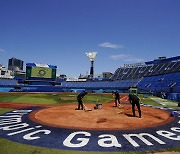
(91, 56)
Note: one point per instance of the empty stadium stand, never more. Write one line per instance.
(8, 82)
(157, 76)
(152, 68)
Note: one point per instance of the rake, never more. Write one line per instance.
(86, 109)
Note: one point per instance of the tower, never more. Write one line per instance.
(91, 56)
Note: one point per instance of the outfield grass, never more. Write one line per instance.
(4, 110)
(10, 147)
(53, 99)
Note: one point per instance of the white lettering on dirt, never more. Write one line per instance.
(108, 138)
(9, 121)
(169, 135)
(140, 136)
(83, 141)
(176, 129)
(30, 135)
(14, 127)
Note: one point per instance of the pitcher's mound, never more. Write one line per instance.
(107, 118)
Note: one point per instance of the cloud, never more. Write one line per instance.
(119, 57)
(137, 60)
(2, 50)
(110, 45)
(126, 58)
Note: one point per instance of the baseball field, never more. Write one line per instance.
(43, 123)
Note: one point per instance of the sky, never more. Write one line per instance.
(60, 32)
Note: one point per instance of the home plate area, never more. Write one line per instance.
(107, 129)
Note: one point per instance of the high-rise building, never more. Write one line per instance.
(15, 64)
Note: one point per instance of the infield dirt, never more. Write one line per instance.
(107, 118)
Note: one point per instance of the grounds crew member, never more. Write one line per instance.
(79, 99)
(117, 98)
(135, 100)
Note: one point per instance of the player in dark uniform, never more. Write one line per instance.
(117, 98)
(134, 100)
(79, 99)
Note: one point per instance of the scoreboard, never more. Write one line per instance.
(40, 72)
